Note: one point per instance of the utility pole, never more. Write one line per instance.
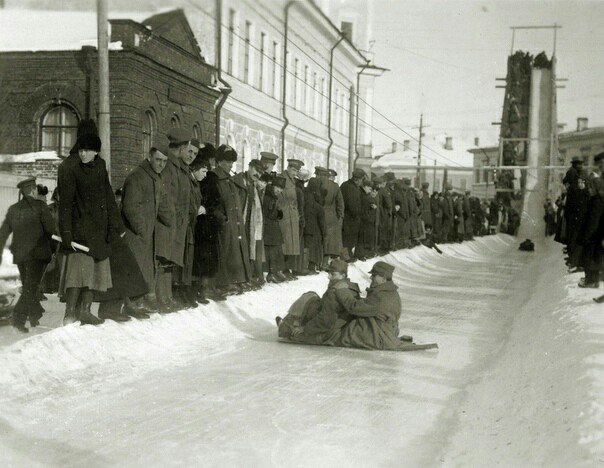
(419, 151)
(103, 53)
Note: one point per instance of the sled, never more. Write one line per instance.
(403, 346)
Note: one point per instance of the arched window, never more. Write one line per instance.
(197, 132)
(58, 129)
(149, 131)
(175, 121)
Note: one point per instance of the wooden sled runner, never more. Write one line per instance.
(403, 346)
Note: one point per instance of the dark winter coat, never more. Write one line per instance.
(176, 180)
(144, 206)
(88, 213)
(369, 222)
(592, 233)
(426, 208)
(334, 212)
(207, 229)
(234, 259)
(375, 322)
(331, 314)
(271, 215)
(385, 217)
(314, 221)
(126, 276)
(31, 225)
(352, 195)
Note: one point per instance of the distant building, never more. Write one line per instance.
(48, 70)
(439, 151)
(583, 142)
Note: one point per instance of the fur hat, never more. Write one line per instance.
(90, 142)
(226, 153)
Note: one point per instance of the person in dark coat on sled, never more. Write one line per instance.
(311, 320)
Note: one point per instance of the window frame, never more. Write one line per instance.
(41, 126)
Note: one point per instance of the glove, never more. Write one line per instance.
(201, 210)
(397, 207)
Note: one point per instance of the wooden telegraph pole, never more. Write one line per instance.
(103, 54)
(418, 176)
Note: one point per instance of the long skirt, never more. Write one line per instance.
(82, 271)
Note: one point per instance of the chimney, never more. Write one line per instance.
(394, 146)
(476, 141)
(406, 144)
(582, 124)
(449, 143)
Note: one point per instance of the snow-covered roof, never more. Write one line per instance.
(433, 149)
(37, 30)
(28, 157)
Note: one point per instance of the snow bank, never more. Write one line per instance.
(68, 354)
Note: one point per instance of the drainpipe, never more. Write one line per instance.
(333, 48)
(356, 125)
(284, 81)
(226, 89)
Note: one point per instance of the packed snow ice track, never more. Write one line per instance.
(213, 387)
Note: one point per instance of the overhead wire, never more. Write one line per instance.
(277, 64)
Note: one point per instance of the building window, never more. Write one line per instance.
(197, 131)
(58, 129)
(305, 90)
(231, 43)
(261, 86)
(477, 176)
(149, 131)
(464, 184)
(322, 101)
(274, 70)
(295, 87)
(175, 121)
(247, 52)
(313, 97)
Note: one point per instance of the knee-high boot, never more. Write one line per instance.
(72, 296)
(86, 316)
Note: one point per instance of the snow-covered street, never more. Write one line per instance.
(518, 379)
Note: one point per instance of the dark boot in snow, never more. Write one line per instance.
(20, 326)
(86, 317)
(599, 300)
(112, 310)
(72, 304)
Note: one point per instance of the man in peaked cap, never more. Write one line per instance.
(250, 196)
(32, 225)
(353, 196)
(290, 223)
(269, 159)
(375, 318)
(426, 204)
(176, 178)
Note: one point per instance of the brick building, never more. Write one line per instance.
(158, 81)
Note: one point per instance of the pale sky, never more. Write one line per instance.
(444, 56)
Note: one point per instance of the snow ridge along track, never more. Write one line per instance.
(84, 352)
